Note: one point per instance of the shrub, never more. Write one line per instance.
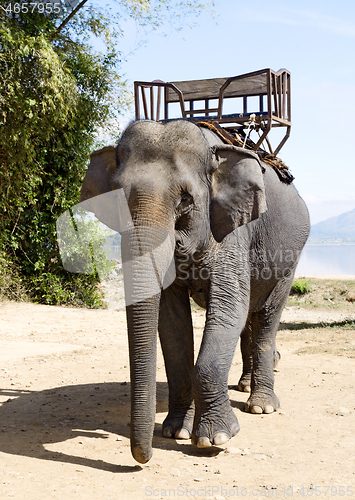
(300, 287)
(54, 96)
(12, 286)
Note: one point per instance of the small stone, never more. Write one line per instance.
(246, 451)
(198, 479)
(260, 457)
(175, 471)
(342, 412)
(232, 451)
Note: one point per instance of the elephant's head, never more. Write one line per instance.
(178, 188)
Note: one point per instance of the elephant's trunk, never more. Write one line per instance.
(147, 253)
(142, 322)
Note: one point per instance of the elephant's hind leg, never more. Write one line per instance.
(244, 384)
(263, 326)
(246, 347)
(176, 338)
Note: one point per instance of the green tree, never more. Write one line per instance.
(56, 94)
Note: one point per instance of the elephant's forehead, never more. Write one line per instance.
(164, 138)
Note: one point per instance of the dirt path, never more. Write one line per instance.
(64, 417)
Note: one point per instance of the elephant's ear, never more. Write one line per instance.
(97, 181)
(99, 174)
(237, 191)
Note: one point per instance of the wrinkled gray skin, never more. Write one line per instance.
(239, 232)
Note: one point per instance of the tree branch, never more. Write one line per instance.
(67, 19)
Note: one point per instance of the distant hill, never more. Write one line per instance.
(340, 229)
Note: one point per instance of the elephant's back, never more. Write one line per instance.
(287, 216)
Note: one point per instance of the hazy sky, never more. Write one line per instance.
(315, 40)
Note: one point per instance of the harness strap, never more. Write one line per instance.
(231, 136)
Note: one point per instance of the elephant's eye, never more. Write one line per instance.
(186, 201)
(186, 198)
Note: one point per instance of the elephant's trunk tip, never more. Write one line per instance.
(140, 455)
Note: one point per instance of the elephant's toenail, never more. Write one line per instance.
(257, 409)
(203, 442)
(220, 438)
(167, 432)
(182, 434)
(268, 409)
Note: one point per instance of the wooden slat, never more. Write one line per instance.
(245, 104)
(209, 89)
(145, 107)
(289, 97)
(284, 77)
(197, 89)
(158, 103)
(166, 107)
(136, 100)
(151, 103)
(274, 92)
(279, 91)
(199, 111)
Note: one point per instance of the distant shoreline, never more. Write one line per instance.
(324, 277)
(330, 243)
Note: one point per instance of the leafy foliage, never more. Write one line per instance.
(51, 105)
(56, 94)
(11, 283)
(300, 287)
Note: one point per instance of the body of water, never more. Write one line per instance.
(336, 260)
(327, 259)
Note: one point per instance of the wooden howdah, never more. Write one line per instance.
(262, 100)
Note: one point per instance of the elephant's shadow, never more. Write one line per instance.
(32, 421)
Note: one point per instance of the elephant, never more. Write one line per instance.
(236, 234)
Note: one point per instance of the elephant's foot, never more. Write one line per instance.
(244, 384)
(178, 424)
(215, 430)
(262, 403)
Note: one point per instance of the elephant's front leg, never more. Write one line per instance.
(215, 422)
(176, 338)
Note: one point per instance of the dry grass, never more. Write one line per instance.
(326, 293)
(337, 338)
(327, 337)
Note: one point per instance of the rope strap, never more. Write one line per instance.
(231, 136)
